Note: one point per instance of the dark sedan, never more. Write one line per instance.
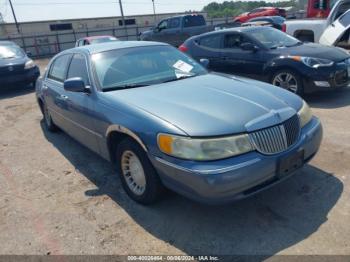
(267, 54)
(165, 121)
(15, 66)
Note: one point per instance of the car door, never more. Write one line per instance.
(79, 109)
(158, 33)
(336, 30)
(209, 47)
(242, 62)
(193, 25)
(54, 94)
(173, 32)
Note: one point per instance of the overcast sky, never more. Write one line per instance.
(32, 10)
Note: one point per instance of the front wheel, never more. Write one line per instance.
(139, 178)
(289, 80)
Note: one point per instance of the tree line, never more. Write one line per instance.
(234, 8)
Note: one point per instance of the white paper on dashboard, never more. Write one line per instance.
(183, 66)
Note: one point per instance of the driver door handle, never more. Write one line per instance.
(62, 98)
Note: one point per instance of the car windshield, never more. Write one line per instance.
(103, 40)
(273, 38)
(10, 51)
(141, 66)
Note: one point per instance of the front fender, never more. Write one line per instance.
(282, 62)
(126, 131)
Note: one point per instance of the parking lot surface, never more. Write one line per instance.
(57, 197)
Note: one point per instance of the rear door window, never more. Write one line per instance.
(58, 69)
(78, 68)
(174, 22)
(194, 20)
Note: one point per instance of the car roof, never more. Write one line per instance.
(7, 43)
(184, 15)
(96, 37)
(241, 29)
(273, 17)
(93, 49)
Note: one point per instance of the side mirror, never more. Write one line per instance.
(29, 53)
(249, 47)
(75, 84)
(204, 62)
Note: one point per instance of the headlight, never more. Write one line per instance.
(313, 62)
(204, 149)
(305, 114)
(30, 64)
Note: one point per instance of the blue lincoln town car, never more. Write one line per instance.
(166, 122)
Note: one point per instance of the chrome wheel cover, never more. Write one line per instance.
(287, 81)
(133, 172)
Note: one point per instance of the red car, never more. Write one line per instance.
(258, 12)
(90, 40)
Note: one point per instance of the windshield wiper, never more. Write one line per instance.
(296, 44)
(276, 46)
(127, 86)
(179, 78)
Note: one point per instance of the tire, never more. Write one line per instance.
(143, 185)
(50, 125)
(295, 83)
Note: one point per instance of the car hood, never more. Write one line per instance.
(212, 104)
(12, 61)
(147, 32)
(315, 50)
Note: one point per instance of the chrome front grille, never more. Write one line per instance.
(278, 138)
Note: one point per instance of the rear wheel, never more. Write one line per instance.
(289, 80)
(50, 125)
(139, 178)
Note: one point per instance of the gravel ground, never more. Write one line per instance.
(59, 198)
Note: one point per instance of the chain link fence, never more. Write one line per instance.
(48, 44)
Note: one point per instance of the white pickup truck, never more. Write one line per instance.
(331, 31)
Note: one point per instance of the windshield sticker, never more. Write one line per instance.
(183, 66)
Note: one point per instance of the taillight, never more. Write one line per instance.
(284, 28)
(183, 48)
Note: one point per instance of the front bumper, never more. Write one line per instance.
(25, 76)
(234, 178)
(326, 78)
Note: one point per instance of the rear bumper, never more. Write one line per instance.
(27, 76)
(234, 178)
